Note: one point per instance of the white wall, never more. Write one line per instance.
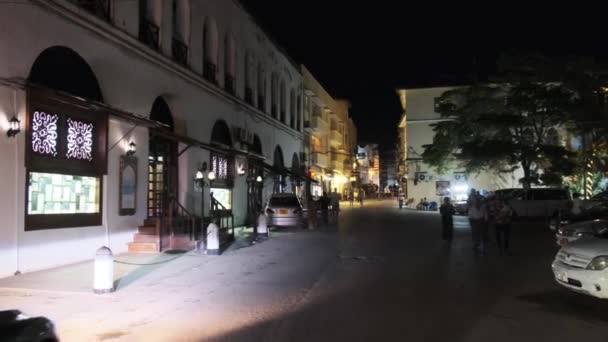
(131, 76)
(421, 116)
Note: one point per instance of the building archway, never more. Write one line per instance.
(296, 173)
(279, 166)
(66, 142)
(255, 182)
(222, 165)
(162, 161)
(61, 68)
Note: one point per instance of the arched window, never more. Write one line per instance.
(210, 50)
(222, 166)
(150, 13)
(299, 113)
(279, 166)
(101, 9)
(274, 96)
(292, 109)
(249, 78)
(261, 88)
(283, 102)
(230, 64)
(180, 19)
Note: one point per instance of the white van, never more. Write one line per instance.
(536, 202)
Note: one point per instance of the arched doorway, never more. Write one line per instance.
(296, 174)
(61, 68)
(66, 143)
(222, 165)
(279, 179)
(162, 161)
(255, 182)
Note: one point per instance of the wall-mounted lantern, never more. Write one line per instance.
(14, 128)
(132, 149)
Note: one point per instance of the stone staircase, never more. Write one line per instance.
(146, 240)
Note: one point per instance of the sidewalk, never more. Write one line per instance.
(185, 297)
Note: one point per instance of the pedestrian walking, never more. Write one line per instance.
(312, 213)
(504, 216)
(447, 212)
(361, 196)
(477, 218)
(325, 207)
(351, 198)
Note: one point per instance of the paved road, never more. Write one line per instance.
(380, 274)
(396, 280)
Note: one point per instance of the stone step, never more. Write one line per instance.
(138, 237)
(182, 242)
(146, 230)
(150, 222)
(143, 247)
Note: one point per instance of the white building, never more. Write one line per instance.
(187, 82)
(415, 131)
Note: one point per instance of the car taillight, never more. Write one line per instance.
(269, 211)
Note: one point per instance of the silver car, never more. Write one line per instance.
(567, 234)
(284, 210)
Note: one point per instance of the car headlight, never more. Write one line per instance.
(583, 234)
(598, 263)
(560, 231)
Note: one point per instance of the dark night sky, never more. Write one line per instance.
(363, 52)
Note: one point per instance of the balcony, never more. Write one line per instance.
(98, 8)
(335, 138)
(319, 125)
(148, 33)
(229, 85)
(319, 159)
(179, 51)
(210, 71)
(249, 96)
(337, 161)
(273, 111)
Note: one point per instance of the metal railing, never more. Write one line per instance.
(99, 8)
(223, 218)
(149, 33)
(249, 95)
(180, 51)
(210, 71)
(179, 221)
(274, 111)
(229, 85)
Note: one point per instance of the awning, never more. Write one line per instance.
(155, 127)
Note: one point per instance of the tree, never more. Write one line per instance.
(503, 126)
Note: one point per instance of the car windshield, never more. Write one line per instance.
(287, 201)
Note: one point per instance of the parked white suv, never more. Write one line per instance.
(582, 266)
(536, 202)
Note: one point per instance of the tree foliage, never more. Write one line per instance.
(507, 124)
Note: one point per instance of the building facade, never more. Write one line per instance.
(368, 163)
(419, 180)
(330, 135)
(120, 106)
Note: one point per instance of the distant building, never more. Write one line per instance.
(330, 138)
(418, 179)
(368, 160)
(388, 169)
